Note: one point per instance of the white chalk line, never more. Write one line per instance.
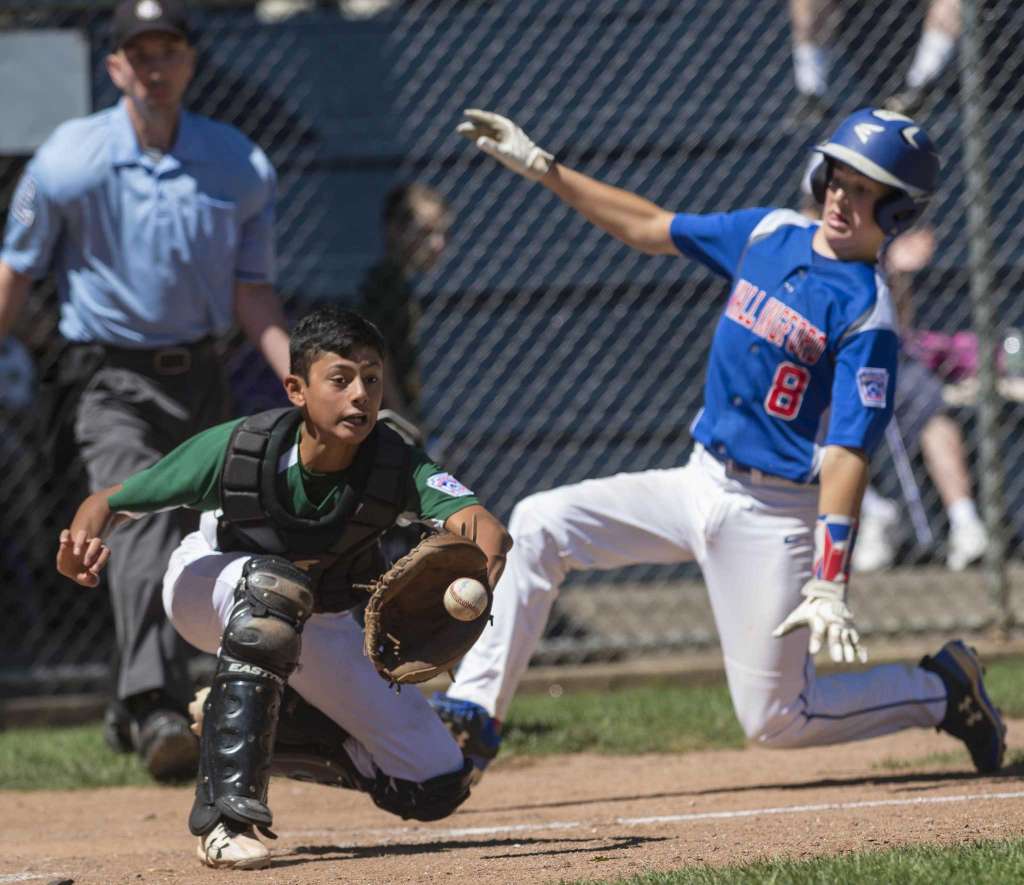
(828, 806)
(6, 878)
(419, 835)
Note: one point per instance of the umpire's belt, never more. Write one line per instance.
(753, 475)
(177, 359)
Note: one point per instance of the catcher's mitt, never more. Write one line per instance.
(410, 637)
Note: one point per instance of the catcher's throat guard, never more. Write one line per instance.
(409, 635)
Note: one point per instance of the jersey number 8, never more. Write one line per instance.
(787, 391)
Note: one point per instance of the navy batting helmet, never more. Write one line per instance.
(890, 148)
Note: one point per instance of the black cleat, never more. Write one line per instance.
(970, 715)
(167, 747)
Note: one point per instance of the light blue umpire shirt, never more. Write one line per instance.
(146, 249)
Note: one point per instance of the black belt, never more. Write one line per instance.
(177, 359)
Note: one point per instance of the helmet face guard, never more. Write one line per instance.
(889, 148)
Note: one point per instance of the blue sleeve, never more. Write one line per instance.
(863, 389)
(256, 262)
(33, 225)
(716, 240)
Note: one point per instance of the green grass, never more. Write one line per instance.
(64, 759)
(977, 863)
(1004, 681)
(664, 718)
(959, 758)
(660, 718)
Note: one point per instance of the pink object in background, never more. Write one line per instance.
(951, 357)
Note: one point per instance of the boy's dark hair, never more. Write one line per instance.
(330, 330)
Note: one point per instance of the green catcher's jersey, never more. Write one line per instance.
(189, 477)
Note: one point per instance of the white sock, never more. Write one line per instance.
(810, 65)
(962, 513)
(934, 50)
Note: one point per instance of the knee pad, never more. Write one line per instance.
(259, 651)
(272, 602)
(431, 799)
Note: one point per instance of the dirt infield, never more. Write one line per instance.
(542, 820)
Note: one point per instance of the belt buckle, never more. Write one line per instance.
(172, 361)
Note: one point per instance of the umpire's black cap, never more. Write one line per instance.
(134, 17)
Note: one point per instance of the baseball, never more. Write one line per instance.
(465, 599)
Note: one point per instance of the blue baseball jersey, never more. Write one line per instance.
(805, 353)
(147, 248)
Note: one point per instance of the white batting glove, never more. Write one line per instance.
(824, 612)
(506, 142)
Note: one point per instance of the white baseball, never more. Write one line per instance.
(465, 599)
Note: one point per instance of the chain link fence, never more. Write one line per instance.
(548, 352)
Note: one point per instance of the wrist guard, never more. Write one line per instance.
(834, 536)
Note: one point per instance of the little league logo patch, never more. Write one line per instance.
(872, 385)
(445, 482)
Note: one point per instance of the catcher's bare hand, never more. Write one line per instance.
(506, 142)
(81, 558)
(825, 614)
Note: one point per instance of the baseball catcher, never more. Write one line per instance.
(311, 516)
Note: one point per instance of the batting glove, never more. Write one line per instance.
(506, 142)
(825, 614)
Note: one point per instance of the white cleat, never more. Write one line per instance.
(967, 544)
(233, 846)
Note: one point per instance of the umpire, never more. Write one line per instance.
(159, 226)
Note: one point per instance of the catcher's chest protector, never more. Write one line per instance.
(255, 518)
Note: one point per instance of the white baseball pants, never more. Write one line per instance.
(396, 732)
(754, 541)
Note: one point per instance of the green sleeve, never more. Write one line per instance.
(434, 493)
(186, 477)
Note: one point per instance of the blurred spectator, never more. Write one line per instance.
(813, 24)
(270, 11)
(924, 426)
(415, 220)
(935, 48)
(159, 223)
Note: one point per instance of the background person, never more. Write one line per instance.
(813, 24)
(159, 226)
(415, 220)
(925, 426)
